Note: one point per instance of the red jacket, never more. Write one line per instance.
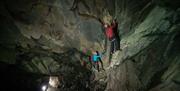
(110, 31)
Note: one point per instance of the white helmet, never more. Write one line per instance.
(105, 25)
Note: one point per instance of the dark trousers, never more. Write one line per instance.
(96, 64)
(114, 46)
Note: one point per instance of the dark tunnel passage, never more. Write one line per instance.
(90, 45)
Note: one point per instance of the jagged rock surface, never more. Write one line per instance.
(45, 37)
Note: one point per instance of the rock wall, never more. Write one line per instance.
(36, 34)
(148, 55)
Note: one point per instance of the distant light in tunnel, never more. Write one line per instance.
(44, 88)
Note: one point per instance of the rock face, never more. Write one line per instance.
(46, 37)
(148, 55)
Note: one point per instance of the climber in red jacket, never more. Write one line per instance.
(110, 34)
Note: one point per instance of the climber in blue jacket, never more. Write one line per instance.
(96, 58)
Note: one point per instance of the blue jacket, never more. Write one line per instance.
(95, 58)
